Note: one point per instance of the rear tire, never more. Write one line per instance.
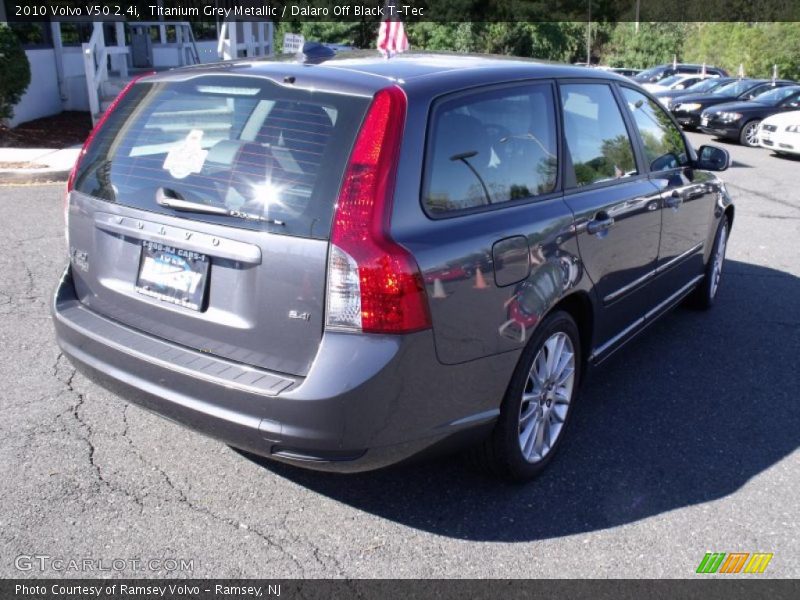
(536, 410)
(706, 293)
(749, 134)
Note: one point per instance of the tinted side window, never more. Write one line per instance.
(792, 101)
(759, 89)
(663, 143)
(597, 139)
(491, 147)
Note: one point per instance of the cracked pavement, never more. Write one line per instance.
(685, 442)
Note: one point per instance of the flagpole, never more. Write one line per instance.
(589, 37)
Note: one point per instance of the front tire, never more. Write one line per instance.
(706, 293)
(749, 134)
(536, 410)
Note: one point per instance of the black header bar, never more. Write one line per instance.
(408, 10)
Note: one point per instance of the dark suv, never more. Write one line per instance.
(341, 265)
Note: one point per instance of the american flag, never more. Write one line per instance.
(392, 35)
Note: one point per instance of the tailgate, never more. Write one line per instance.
(238, 268)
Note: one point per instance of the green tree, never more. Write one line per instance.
(756, 46)
(15, 72)
(655, 43)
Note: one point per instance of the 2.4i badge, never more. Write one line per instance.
(80, 258)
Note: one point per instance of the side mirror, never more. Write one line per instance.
(712, 158)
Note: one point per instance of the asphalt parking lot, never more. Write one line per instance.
(685, 442)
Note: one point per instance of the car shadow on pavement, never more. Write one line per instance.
(690, 411)
(786, 157)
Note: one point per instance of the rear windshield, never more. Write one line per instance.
(272, 156)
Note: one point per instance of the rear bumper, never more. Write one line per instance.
(367, 402)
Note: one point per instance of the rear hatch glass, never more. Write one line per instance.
(239, 143)
(238, 269)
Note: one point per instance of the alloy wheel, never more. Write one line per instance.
(546, 397)
(719, 259)
(751, 134)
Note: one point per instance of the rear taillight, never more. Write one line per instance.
(374, 284)
(92, 134)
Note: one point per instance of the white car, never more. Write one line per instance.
(675, 82)
(781, 133)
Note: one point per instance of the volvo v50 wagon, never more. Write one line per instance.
(341, 265)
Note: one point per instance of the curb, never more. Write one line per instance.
(23, 176)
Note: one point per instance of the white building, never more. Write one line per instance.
(82, 65)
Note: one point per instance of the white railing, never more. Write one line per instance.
(257, 39)
(188, 54)
(95, 64)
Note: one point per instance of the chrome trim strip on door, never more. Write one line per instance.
(628, 287)
(647, 318)
(650, 274)
(181, 238)
(598, 351)
(658, 308)
(670, 263)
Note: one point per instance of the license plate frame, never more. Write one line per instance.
(173, 275)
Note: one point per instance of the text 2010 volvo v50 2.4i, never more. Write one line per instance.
(341, 265)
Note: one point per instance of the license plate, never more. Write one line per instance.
(173, 275)
(704, 121)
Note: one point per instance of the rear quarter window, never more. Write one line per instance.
(491, 147)
(244, 144)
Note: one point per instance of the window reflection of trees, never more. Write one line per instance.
(512, 157)
(663, 143)
(615, 161)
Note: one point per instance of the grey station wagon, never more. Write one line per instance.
(341, 265)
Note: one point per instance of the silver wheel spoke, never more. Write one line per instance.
(565, 360)
(527, 414)
(558, 414)
(529, 436)
(719, 260)
(541, 434)
(539, 370)
(552, 347)
(566, 372)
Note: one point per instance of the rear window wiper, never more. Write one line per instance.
(179, 204)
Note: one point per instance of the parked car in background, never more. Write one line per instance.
(625, 72)
(740, 120)
(675, 83)
(687, 109)
(341, 265)
(656, 74)
(705, 86)
(781, 133)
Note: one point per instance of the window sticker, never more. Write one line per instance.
(186, 157)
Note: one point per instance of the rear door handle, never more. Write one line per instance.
(600, 225)
(673, 200)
